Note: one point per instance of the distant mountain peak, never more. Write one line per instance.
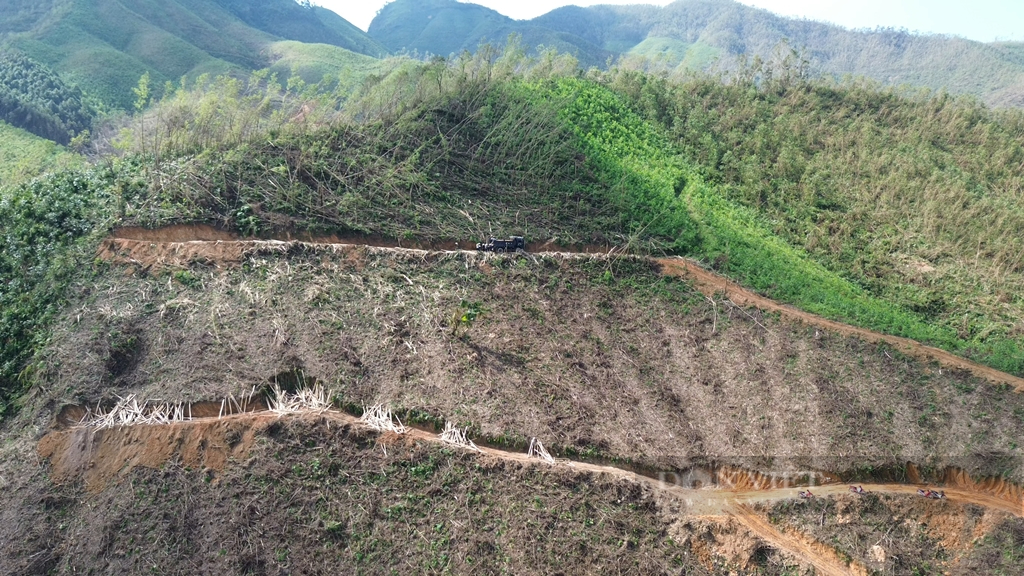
(704, 34)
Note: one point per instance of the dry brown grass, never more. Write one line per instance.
(597, 355)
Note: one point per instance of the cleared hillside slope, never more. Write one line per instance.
(599, 356)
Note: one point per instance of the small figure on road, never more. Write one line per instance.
(805, 494)
(857, 490)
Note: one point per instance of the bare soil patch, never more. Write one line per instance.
(98, 457)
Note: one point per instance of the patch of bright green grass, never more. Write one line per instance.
(23, 155)
(669, 51)
(670, 197)
(312, 62)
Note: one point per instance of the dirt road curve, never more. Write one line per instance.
(822, 557)
(710, 283)
(86, 453)
(181, 245)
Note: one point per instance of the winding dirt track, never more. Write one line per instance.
(710, 283)
(821, 556)
(181, 245)
(79, 452)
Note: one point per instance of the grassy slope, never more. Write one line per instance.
(312, 62)
(672, 54)
(24, 156)
(667, 51)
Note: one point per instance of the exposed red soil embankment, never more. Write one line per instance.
(101, 456)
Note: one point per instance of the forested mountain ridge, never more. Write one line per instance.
(715, 34)
(37, 100)
(444, 27)
(105, 46)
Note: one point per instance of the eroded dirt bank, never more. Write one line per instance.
(101, 456)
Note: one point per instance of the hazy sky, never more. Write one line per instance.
(984, 20)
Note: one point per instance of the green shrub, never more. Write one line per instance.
(45, 227)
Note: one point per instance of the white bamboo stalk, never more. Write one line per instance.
(537, 451)
(455, 436)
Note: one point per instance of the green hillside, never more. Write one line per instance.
(105, 46)
(718, 33)
(24, 155)
(312, 62)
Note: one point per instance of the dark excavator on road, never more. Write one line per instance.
(513, 244)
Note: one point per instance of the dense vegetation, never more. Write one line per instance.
(44, 227)
(915, 200)
(35, 99)
(24, 155)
